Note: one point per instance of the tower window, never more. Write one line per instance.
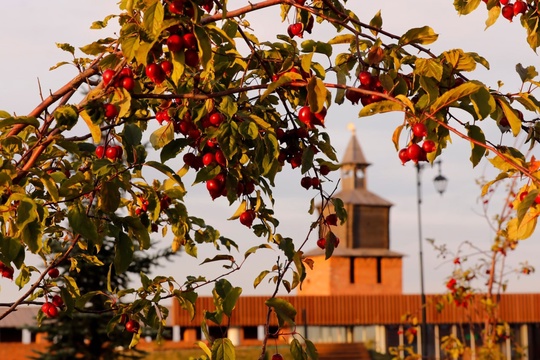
(379, 270)
(351, 270)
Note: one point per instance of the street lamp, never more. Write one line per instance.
(440, 185)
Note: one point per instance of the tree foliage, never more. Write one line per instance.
(186, 87)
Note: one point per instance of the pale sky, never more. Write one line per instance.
(31, 28)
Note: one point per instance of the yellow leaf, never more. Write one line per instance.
(95, 130)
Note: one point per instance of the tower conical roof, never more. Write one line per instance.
(353, 153)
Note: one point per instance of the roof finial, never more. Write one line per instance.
(352, 128)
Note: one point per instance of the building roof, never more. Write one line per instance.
(22, 317)
(367, 309)
(353, 153)
(357, 252)
(360, 196)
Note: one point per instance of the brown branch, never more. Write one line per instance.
(71, 86)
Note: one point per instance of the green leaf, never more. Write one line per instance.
(478, 151)
(311, 350)
(153, 18)
(310, 46)
(342, 39)
(81, 223)
(513, 119)
(123, 254)
(109, 196)
(317, 93)
(465, 7)
(162, 136)
(483, 102)
(66, 47)
(229, 303)
(165, 170)
(380, 107)
(429, 67)
(24, 120)
(95, 130)
(424, 35)
(297, 351)
(526, 74)
(284, 310)
(205, 48)
(66, 116)
(376, 22)
(93, 49)
(452, 95)
(223, 349)
(260, 278)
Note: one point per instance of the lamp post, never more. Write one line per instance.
(440, 183)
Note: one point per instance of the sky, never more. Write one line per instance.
(30, 29)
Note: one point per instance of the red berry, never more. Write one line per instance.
(208, 159)
(128, 83)
(132, 326)
(57, 301)
(320, 116)
(520, 7)
(296, 29)
(306, 182)
(365, 78)
(126, 72)
(190, 41)
(278, 356)
(191, 58)
(415, 152)
(247, 217)
(307, 117)
(175, 43)
(331, 219)
(176, 7)
(53, 273)
(508, 11)
(504, 2)
(429, 146)
(404, 155)
(167, 67)
(315, 182)
(111, 111)
(321, 243)
(111, 153)
(419, 130)
(324, 170)
(107, 76)
(216, 118)
(220, 158)
(100, 151)
(353, 96)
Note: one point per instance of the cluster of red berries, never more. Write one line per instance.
(111, 152)
(185, 8)
(367, 82)
(124, 79)
(6, 271)
(142, 205)
(509, 9)
(321, 243)
(414, 151)
(158, 72)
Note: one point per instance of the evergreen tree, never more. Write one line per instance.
(89, 333)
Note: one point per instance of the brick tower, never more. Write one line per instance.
(363, 262)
